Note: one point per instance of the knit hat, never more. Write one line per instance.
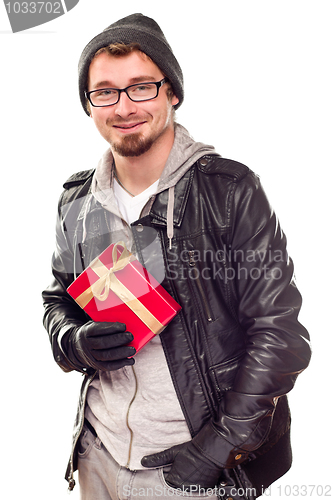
(146, 32)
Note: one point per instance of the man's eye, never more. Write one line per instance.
(143, 87)
(106, 92)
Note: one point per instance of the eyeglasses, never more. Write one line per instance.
(137, 93)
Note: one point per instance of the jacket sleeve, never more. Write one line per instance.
(62, 314)
(277, 347)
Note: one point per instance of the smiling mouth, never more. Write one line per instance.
(129, 126)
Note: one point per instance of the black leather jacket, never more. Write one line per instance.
(236, 347)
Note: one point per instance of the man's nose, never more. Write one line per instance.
(125, 106)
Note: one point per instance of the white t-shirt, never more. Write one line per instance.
(131, 206)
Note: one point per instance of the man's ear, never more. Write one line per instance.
(174, 100)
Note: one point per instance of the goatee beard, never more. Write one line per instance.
(133, 145)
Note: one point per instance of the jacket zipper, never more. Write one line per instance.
(71, 480)
(127, 419)
(136, 383)
(204, 300)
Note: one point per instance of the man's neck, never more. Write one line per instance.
(136, 174)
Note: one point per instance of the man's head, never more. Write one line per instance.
(120, 50)
(145, 33)
(131, 101)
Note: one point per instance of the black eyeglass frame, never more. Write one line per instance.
(158, 86)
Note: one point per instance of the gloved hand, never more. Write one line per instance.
(102, 346)
(189, 466)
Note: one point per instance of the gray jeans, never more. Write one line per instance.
(102, 478)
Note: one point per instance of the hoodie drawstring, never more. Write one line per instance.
(85, 210)
(171, 203)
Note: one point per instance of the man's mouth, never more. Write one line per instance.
(128, 127)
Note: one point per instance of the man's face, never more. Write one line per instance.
(131, 128)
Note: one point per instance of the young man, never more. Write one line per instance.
(201, 410)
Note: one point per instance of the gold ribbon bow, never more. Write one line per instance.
(108, 281)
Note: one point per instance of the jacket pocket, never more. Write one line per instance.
(194, 276)
(224, 373)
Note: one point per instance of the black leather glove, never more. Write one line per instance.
(101, 346)
(189, 466)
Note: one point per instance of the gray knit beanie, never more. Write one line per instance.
(146, 32)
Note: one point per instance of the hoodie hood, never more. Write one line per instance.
(184, 153)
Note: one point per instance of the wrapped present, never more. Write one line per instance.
(116, 287)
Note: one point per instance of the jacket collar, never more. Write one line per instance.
(158, 211)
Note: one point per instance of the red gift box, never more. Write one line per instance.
(116, 287)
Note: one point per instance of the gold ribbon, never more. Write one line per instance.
(108, 281)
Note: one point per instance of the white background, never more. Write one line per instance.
(258, 84)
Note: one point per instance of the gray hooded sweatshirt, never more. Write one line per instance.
(135, 410)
